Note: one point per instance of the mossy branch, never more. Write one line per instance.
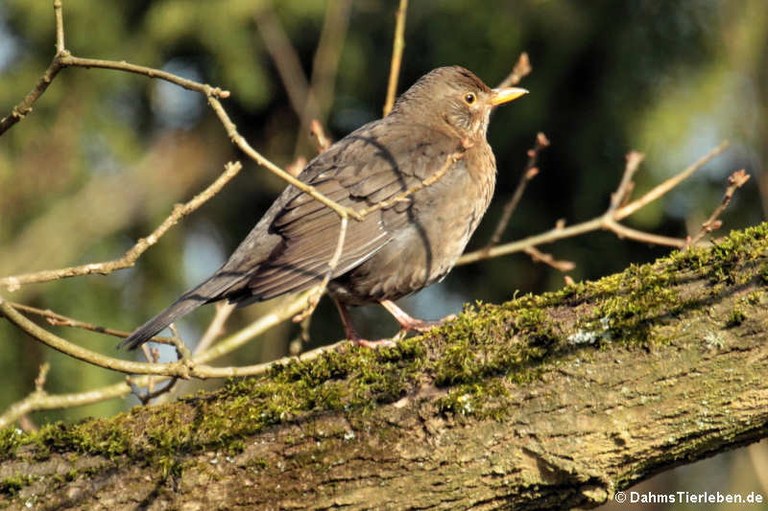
(552, 401)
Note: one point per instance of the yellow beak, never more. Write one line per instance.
(507, 94)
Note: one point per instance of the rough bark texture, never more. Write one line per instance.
(544, 402)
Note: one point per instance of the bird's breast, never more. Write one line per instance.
(429, 232)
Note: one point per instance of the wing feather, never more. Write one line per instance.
(358, 173)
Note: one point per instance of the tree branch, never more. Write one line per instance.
(550, 402)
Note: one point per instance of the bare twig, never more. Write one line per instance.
(56, 319)
(146, 393)
(318, 135)
(286, 61)
(670, 183)
(621, 195)
(215, 328)
(429, 181)
(129, 258)
(68, 60)
(24, 107)
(41, 377)
(735, 181)
(521, 70)
(185, 368)
(59, 17)
(604, 221)
(325, 66)
(398, 46)
(333, 262)
(86, 355)
(548, 259)
(531, 171)
(244, 146)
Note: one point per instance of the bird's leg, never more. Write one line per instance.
(408, 323)
(351, 333)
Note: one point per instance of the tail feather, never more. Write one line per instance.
(211, 290)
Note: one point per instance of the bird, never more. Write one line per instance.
(428, 166)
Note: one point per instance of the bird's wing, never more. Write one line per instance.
(373, 164)
(291, 246)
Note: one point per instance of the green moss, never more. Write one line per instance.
(482, 401)
(10, 486)
(10, 440)
(717, 262)
(352, 379)
(473, 351)
(735, 318)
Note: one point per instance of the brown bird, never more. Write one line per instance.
(434, 140)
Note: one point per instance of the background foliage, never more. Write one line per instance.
(105, 155)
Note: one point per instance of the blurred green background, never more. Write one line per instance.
(105, 155)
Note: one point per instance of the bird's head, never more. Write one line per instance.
(456, 97)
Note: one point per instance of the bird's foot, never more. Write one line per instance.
(381, 343)
(423, 325)
(411, 324)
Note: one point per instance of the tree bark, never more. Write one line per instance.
(548, 402)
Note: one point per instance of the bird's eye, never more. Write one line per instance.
(469, 98)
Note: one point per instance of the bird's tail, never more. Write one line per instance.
(211, 290)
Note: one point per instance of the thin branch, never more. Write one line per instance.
(531, 171)
(23, 108)
(129, 258)
(284, 311)
(41, 377)
(735, 181)
(317, 132)
(286, 60)
(215, 328)
(521, 69)
(56, 319)
(604, 221)
(333, 262)
(68, 60)
(244, 146)
(86, 355)
(621, 195)
(430, 180)
(59, 17)
(622, 231)
(146, 396)
(669, 184)
(184, 368)
(398, 46)
(325, 66)
(548, 259)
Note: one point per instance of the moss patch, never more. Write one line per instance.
(12, 485)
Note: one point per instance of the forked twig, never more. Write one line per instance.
(604, 221)
(128, 259)
(735, 181)
(531, 171)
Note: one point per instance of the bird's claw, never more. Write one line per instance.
(381, 343)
